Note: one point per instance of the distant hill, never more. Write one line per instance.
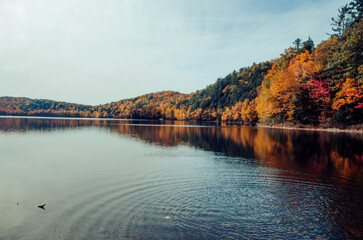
(39, 107)
(148, 106)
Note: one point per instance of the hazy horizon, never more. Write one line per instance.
(95, 52)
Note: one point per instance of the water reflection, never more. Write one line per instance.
(259, 183)
(340, 154)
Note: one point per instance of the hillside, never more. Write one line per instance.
(39, 107)
(148, 106)
(235, 87)
(205, 104)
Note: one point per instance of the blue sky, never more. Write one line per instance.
(94, 51)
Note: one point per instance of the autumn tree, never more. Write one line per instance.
(279, 94)
(348, 102)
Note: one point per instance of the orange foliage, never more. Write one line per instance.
(350, 93)
(277, 93)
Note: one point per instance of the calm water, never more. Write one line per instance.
(119, 179)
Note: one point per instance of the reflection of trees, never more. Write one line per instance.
(321, 152)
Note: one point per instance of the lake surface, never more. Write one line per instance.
(123, 179)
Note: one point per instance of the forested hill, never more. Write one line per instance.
(39, 107)
(307, 84)
(235, 87)
(205, 104)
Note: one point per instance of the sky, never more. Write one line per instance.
(99, 51)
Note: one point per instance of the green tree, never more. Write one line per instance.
(308, 45)
(349, 15)
(297, 43)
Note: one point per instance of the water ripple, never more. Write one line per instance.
(238, 206)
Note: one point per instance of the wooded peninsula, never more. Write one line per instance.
(307, 85)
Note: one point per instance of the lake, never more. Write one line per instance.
(130, 179)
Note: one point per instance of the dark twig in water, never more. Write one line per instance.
(42, 206)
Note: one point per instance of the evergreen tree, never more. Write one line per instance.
(308, 45)
(349, 15)
(297, 43)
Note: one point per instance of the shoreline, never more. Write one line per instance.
(330, 129)
(259, 125)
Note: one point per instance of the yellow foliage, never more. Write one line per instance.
(350, 93)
